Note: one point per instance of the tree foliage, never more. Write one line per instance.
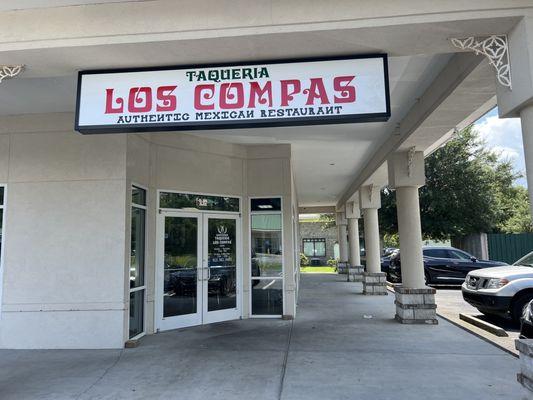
(468, 190)
(327, 220)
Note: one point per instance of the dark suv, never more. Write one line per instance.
(442, 265)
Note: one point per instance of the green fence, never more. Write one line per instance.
(509, 247)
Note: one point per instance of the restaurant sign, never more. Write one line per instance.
(274, 93)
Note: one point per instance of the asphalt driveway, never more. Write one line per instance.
(450, 304)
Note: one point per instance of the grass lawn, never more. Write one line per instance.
(322, 269)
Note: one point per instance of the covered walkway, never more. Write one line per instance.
(331, 351)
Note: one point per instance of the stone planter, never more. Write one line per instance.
(355, 273)
(415, 306)
(375, 283)
(342, 268)
(525, 376)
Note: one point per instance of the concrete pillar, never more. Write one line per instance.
(525, 376)
(373, 259)
(526, 118)
(415, 303)
(355, 269)
(343, 243)
(410, 233)
(342, 238)
(518, 101)
(353, 235)
(374, 281)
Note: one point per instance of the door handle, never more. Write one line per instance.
(201, 274)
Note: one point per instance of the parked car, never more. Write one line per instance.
(526, 322)
(503, 291)
(442, 265)
(386, 257)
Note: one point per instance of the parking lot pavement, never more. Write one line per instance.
(450, 304)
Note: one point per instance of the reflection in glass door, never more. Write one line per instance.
(221, 284)
(181, 265)
(198, 264)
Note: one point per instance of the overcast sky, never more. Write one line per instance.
(504, 136)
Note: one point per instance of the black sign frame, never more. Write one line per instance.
(236, 124)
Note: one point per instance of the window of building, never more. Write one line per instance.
(266, 257)
(315, 247)
(137, 261)
(190, 201)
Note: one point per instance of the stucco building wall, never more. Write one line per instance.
(67, 227)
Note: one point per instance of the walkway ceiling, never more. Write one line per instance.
(327, 159)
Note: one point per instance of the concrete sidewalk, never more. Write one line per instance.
(331, 351)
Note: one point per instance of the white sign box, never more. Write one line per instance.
(274, 93)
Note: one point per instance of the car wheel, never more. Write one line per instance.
(518, 306)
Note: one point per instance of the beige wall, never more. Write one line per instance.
(66, 261)
(180, 162)
(64, 236)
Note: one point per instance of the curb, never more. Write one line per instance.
(486, 339)
(390, 288)
(495, 330)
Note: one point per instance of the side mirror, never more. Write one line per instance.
(473, 259)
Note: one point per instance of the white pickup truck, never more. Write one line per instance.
(503, 290)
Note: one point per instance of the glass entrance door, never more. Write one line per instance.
(220, 287)
(198, 267)
(181, 267)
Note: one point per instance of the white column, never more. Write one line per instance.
(415, 303)
(353, 235)
(518, 102)
(373, 259)
(342, 237)
(410, 232)
(526, 118)
(343, 243)
(406, 175)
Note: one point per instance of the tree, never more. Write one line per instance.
(468, 190)
(327, 220)
(519, 220)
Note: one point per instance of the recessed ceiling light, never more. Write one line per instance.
(332, 163)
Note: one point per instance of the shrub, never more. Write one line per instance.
(332, 262)
(304, 260)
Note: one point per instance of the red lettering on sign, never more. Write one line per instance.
(347, 92)
(166, 100)
(316, 91)
(204, 92)
(231, 91)
(109, 103)
(145, 102)
(286, 96)
(257, 92)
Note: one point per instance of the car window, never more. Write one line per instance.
(438, 253)
(527, 260)
(459, 255)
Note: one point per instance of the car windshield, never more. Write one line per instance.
(526, 261)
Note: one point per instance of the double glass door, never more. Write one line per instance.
(199, 268)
